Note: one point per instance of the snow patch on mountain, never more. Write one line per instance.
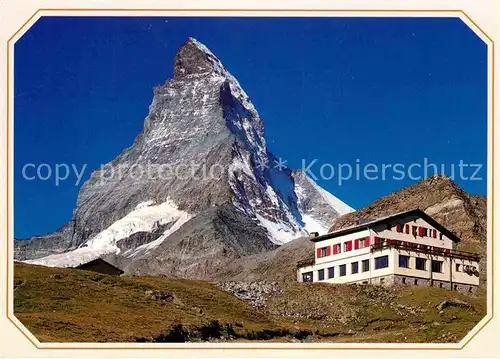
(144, 218)
(312, 225)
(145, 248)
(333, 201)
(279, 232)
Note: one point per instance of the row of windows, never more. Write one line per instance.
(379, 262)
(420, 264)
(416, 230)
(365, 242)
(347, 247)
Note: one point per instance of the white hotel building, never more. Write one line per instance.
(405, 248)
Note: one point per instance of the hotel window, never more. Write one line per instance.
(361, 243)
(420, 263)
(342, 270)
(331, 272)
(307, 277)
(414, 230)
(457, 267)
(437, 266)
(404, 261)
(379, 242)
(323, 252)
(365, 265)
(336, 248)
(354, 268)
(321, 274)
(382, 262)
(424, 232)
(399, 228)
(348, 246)
(441, 236)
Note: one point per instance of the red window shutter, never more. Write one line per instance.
(407, 229)
(398, 227)
(334, 249)
(435, 233)
(328, 250)
(349, 246)
(367, 241)
(377, 241)
(318, 253)
(356, 244)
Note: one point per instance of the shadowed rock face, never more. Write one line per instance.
(191, 59)
(199, 120)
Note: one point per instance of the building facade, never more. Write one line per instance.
(405, 248)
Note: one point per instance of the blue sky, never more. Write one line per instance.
(377, 90)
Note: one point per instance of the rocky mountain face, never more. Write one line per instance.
(197, 186)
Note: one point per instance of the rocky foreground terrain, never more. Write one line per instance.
(159, 309)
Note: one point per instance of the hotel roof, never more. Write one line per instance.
(372, 223)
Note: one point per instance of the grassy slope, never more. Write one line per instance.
(86, 306)
(73, 305)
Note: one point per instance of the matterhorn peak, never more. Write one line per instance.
(208, 189)
(194, 58)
